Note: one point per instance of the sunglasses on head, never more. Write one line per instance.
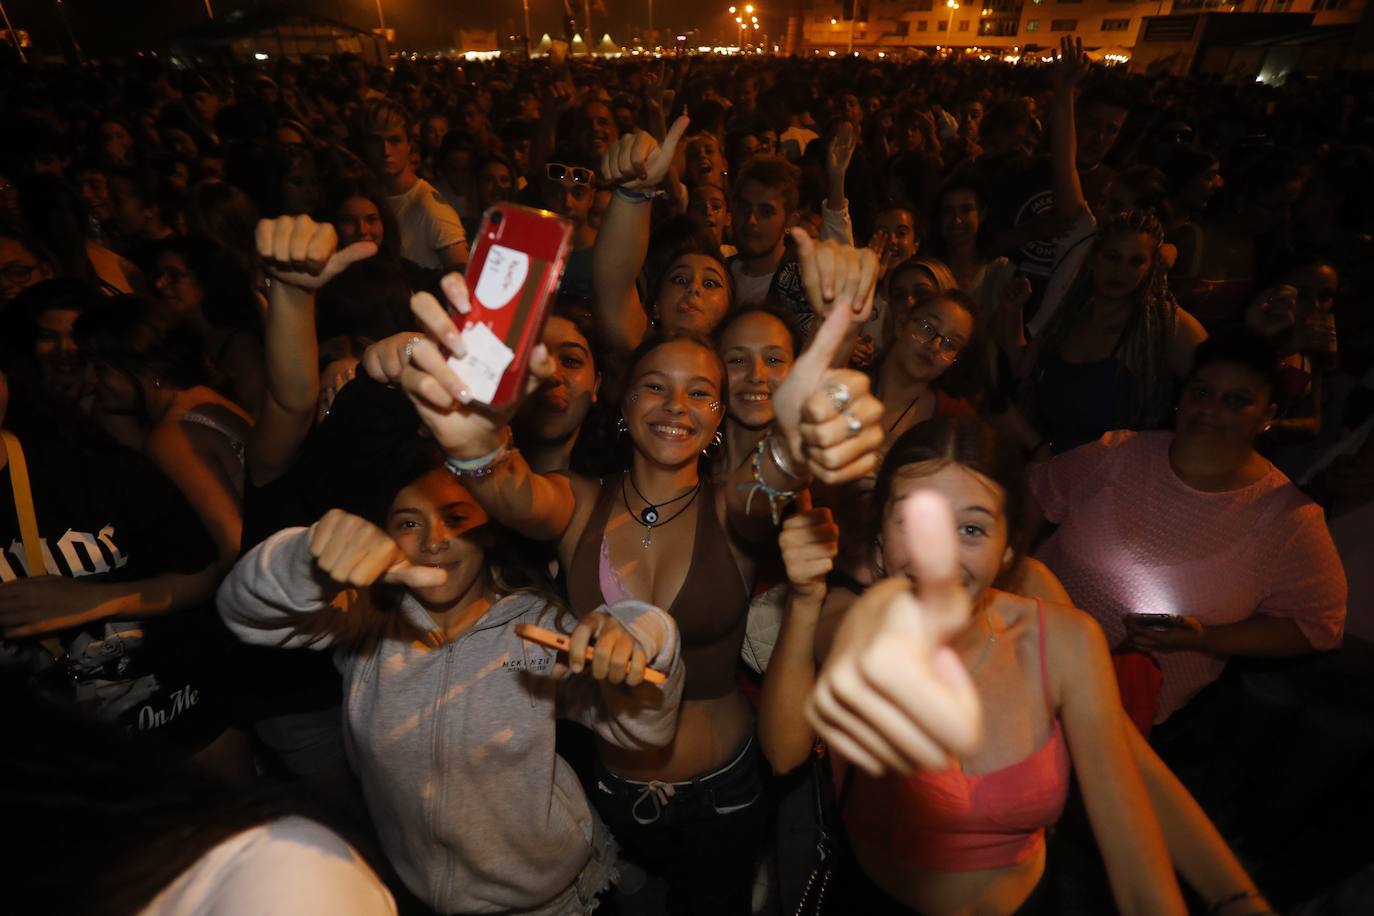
(557, 171)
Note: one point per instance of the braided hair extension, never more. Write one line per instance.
(1146, 339)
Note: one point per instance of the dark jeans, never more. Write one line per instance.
(703, 836)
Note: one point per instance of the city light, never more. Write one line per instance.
(834, 21)
(732, 9)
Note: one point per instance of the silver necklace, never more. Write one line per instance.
(987, 646)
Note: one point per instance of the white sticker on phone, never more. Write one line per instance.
(482, 365)
(503, 275)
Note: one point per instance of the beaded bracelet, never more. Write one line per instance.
(484, 465)
(777, 498)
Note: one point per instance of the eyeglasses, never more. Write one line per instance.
(925, 333)
(17, 273)
(557, 171)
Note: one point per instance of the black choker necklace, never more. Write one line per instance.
(650, 515)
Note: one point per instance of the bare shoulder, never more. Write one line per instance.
(1078, 657)
(1034, 579)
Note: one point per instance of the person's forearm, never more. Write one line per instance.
(784, 734)
(293, 383)
(1068, 190)
(160, 595)
(617, 257)
(1197, 849)
(654, 121)
(834, 191)
(538, 506)
(1259, 636)
(750, 508)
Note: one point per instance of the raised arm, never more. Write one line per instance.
(809, 542)
(892, 694)
(1073, 65)
(475, 439)
(636, 166)
(827, 424)
(835, 223)
(301, 256)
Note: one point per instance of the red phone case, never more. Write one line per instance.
(514, 266)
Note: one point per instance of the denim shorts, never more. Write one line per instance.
(702, 835)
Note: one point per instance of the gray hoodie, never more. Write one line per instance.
(454, 741)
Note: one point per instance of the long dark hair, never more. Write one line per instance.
(652, 343)
(971, 443)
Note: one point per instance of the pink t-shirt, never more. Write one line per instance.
(1133, 538)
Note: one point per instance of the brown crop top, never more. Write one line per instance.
(710, 608)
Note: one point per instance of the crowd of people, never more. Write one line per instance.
(946, 475)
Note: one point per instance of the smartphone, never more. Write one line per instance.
(514, 265)
(1159, 622)
(552, 640)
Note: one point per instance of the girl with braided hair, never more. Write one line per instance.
(1104, 354)
(1111, 354)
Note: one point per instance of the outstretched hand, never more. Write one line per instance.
(463, 428)
(840, 152)
(1073, 63)
(837, 275)
(636, 161)
(303, 253)
(827, 417)
(893, 695)
(354, 553)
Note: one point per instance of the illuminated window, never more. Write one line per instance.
(1032, 25)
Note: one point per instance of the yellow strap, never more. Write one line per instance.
(28, 519)
(23, 504)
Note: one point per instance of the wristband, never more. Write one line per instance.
(637, 197)
(482, 466)
(778, 461)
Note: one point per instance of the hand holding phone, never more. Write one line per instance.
(1160, 622)
(552, 640)
(513, 271)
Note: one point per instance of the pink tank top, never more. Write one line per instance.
(946, 820)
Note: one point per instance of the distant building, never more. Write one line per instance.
(1000, 26)
(270, 34)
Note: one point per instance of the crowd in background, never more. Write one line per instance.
(264, 555)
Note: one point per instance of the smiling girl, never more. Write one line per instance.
(965, 833)
(666, 531)
(445, 706)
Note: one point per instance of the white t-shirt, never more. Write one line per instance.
(749, 290)
(1070, 251)
(427, 224)
(288, 867)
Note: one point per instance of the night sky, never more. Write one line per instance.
(113, 25)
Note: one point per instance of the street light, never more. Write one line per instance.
(953, 5)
